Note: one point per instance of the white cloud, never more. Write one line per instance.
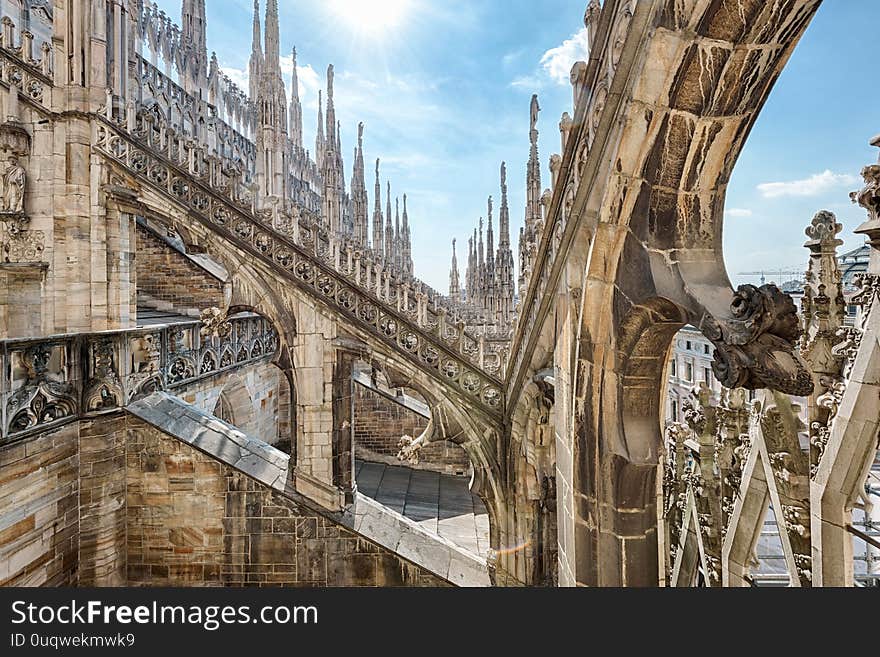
(816, 184)
(528, 82)
(738, 212)
(404, 160)
(309, 82)
(238, 76)
(511, 57)
(557, 62)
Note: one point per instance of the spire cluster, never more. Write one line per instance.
(530, 233)
(288, 179)
(489, 286)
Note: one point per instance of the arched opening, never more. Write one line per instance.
(429, 482)
(528, 553)
(235, 405)
(257, 400)
(618, 440)
(223, 409)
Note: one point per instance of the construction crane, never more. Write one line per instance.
(791, 273)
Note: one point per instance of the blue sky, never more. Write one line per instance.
(443, 88)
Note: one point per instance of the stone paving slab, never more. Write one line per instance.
(440, 504)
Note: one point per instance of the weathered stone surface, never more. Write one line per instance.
(368, 518)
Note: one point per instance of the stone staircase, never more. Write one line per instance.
(154, 312)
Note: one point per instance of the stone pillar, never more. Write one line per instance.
(852, 443)
(319, 436)
(347, 352)
(121, 247)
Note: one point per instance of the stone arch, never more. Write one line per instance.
(530, 502)
(617, 440)
(649, 214)
(283, 361)
(250, 289)
(645, 340)
(235, 400)
(477, 435)
(386, 416)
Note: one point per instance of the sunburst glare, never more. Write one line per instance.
(373, 17)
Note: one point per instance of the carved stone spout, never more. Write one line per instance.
(755, 347)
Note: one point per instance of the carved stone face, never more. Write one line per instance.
(785, 323)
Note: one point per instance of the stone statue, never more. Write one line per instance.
(13, 187)
(754, 349)
(869, 196)
(535, 108)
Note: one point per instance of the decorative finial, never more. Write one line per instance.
(824, 228)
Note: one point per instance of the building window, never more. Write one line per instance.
(688, 372)
(674, 411)
(707, 376)
(688, 347)
(706, 349)
(672, 368)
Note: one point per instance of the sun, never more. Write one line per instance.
(371, 16)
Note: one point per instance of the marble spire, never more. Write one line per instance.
(378, 228)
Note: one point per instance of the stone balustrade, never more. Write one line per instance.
(395, 310)
(49, 381)
(23, 66)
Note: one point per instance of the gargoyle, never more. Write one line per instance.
(410, 448)
(756, 348)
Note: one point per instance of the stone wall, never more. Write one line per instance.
(20, 299)
(253, 396)
(167, 275)
(379, 423)
(102, 501)
(193, 521)
(39, 512)
(112, 502)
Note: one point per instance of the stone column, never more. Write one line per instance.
(852, 443)
(347, 352)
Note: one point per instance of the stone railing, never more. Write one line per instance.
(49, 381)
(395, 312)
(427, 307)
(20, 67)
(228, 141)
(591, 83)
(219, 160)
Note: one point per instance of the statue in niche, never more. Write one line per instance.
(14, 179)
